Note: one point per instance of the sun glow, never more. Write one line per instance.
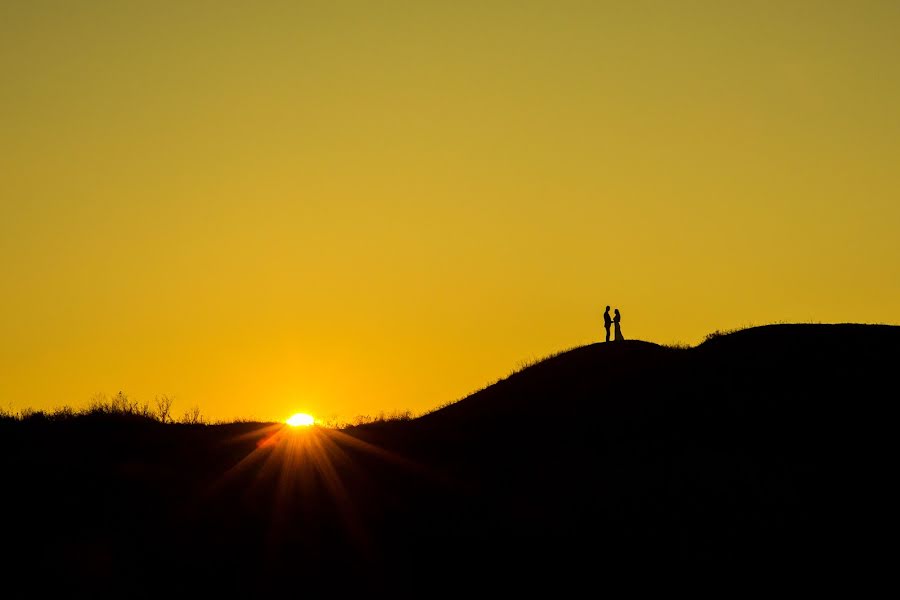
(300, 420)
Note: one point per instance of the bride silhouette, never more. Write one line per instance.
(616, 319)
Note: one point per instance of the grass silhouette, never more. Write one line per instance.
(743, 450)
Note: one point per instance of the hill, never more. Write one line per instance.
(752, 448)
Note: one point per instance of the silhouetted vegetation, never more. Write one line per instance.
(118, 408)
(604, 461)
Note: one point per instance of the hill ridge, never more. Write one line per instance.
(750, 448)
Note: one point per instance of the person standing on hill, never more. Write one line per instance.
(616, 320)
(607, 322)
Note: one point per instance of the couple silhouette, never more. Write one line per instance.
(607, 322)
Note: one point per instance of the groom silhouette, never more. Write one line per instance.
(607, 322)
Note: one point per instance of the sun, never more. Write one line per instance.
(300, 420)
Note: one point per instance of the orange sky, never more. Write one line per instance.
(346, 207)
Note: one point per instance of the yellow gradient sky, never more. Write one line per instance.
(344, 207)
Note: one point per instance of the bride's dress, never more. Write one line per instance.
(618, 332)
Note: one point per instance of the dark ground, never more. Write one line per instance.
(758, 451)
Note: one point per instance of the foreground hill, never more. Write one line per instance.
(747, 449)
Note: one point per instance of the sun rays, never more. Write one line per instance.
(296, 473)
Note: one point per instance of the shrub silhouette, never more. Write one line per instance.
(163, 408)
(192, 416)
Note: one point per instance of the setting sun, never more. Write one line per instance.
(300, 420)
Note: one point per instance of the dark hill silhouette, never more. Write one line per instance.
(752, 448)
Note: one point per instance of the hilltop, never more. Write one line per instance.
(746, 449)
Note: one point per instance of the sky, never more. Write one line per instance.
(344, 208)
